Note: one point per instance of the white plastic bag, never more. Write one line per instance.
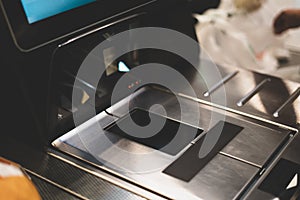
(225, 44)
(234, 37)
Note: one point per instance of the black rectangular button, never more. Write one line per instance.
(189, 163)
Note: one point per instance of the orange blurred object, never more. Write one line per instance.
(14, 184)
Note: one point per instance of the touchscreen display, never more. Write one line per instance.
(37, 10)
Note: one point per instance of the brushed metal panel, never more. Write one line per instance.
(255, 144)
(222, 178)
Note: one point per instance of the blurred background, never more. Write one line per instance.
(249, 34)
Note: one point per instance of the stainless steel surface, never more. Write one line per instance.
(74, 139)
(223, 178)
(226, 175)
(234, 170)
(290, 153)
(256, 143)
(58, 176)
(249, 146)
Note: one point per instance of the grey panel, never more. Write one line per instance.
(256, 143)
(222, 178)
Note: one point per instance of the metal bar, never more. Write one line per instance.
(219, 84)
(289, 101)
(253, 92)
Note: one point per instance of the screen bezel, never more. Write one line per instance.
(28, 37)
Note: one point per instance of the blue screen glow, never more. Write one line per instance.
(37, 10)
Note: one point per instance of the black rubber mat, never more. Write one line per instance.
(189, 163)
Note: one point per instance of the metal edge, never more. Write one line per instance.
(130, 186)
(267, 169)
(239, 113)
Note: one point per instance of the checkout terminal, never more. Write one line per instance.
(116, 100)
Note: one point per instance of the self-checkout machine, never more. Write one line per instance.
(132, 101)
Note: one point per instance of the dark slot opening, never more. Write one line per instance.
(167, 140)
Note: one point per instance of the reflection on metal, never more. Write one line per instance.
(219, 84)
(253, 92)
(230, 170)
(289, 101)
